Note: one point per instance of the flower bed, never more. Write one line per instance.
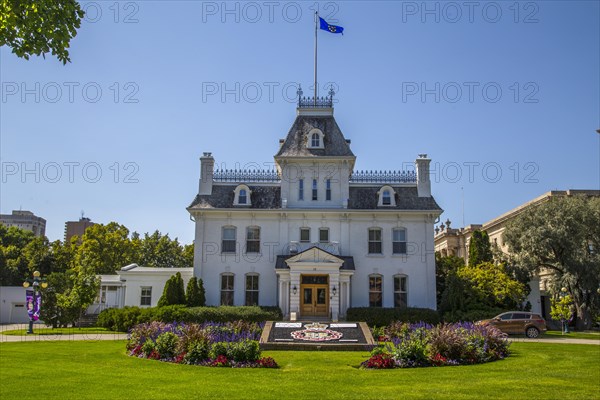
(424, 345)
(230, 344)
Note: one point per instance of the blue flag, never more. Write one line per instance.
(331, 28)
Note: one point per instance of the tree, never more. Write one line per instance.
(105, 248)
(14, 265)
(493, 286)
(445, 266)
(37, 27)
(173, 293)
(81, 291)
(159, 251)
(192, 293)
(560, 310)
(562, 236)
(480, 250)
(202, 292)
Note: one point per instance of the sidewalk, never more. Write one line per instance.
(53, 338)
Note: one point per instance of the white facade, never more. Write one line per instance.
(315, 237)
(12, 305)
(135, 286)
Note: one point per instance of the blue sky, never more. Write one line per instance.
(503, 96)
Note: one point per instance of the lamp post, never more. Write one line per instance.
(34, 297)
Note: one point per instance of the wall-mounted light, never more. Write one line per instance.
(334, 290)
(294, 289)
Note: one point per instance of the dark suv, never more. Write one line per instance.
(518, 323)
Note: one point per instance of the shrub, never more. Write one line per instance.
(243, 351)
(377, 316)
(419, 345)
(148, 347)
(124, 319)
(217, 349)
(166, 344)
(197, 352)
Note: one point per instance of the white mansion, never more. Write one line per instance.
(315, 237)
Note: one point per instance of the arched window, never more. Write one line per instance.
(400, 291)
(387, 197)
(375, 290)
(227, 289)
(386, 201)
(251, 289)
(242, 196)
(315, 140)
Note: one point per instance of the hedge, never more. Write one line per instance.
(123, 319)
(377, 316)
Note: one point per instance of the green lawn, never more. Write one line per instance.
(59, 331)
(572, 335)
(102, 370)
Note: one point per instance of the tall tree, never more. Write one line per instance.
(173, 292)
(202, 292)
(105, 248)
(14, 264)
(38, 27)
(445, 266)
(480, 250)
(160, 251)
(562, 236)
(192, 294)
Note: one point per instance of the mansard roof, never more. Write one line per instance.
(335, 144)
(407, 198)
(361, 198)
(266, 197)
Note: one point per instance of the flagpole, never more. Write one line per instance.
(316, 17)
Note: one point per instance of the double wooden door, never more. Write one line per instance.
(314, 300)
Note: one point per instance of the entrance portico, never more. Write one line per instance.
(314, 283)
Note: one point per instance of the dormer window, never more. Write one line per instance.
(242, 196)
(315, 139)
(387, 197)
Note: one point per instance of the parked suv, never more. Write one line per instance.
(518, 323)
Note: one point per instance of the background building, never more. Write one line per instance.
(78, 228)
(25, 220)
(314, 236)
(452, 241)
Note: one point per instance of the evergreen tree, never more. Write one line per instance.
(202, 293)
(173, 293)
(193, 293)
(480, 250)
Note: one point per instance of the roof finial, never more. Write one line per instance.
(299, 93)
(331, 93)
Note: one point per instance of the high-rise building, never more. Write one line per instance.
(25, 220)
(78, 228)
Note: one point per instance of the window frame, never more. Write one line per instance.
(328, 189)
(305, 229)
(315, 190)
(144, 296)
(374, 242)
(223, 240)
(243, 195)
(373, 302)
(402, 250)
(253, 292)
(227, 294)
(328, 238)
(253, 241)
(301, 189)
(400, 293)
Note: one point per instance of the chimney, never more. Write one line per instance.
(423, 181)
(207, 165)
